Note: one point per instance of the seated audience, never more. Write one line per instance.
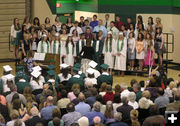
(72, 116)
(125, 110)
(95, 112)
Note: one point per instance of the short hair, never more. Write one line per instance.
(76, 22)
(99, 98)
(56, 113)
(133, 81)
(124, 100)
(146, 94)
(113, 22)
(144, 103)
(97, 106)
(56, 121)
(137, 86)
(64, 93)
(117, 98)
(74, 86)
(86, 20)
(82, 17)
(141, 83)
(160, 91)
(13, 87)
(107, 15)
(94, 91)
(95, 15)
(117, 88)
(118, 116)
(124, 86)
(172, 85)
(131, 97)
(70, 107)
(14, 114)
(154, 110)
(109, 88)
(103, 87)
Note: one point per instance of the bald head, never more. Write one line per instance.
(49, 100)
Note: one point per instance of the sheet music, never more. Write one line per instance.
(39, 56)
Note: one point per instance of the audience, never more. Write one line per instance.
(72, 116)
(82, 107)
(95, 112)
(94, 101)
(125, 110)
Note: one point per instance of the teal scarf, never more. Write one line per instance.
(110, 47)
(42, 47)
(54, 48)
(122, 45)
(67, 50)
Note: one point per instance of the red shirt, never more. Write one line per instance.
(109, 96)
(118, 25)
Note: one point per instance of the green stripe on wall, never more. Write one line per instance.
(136, 2)
(131, 11)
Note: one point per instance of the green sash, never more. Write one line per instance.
(122, 45)
(42, 47)
(54, 47)
(110, 48)
(67, 50)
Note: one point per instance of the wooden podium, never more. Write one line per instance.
(47, 62)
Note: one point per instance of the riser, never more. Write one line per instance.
(11, 17)
(12, 6)
(4, 34)
(6, 39)
(12, 11)
(12, 1)
(9, 22)
(5, 28)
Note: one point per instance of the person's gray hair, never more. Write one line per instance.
(124, 86)
(118, 116)
(34, 111)
(18, 122)
(136, 85)
(144, 103)
(97, 106)
(131, 97)
(13, 87)
(124, 100)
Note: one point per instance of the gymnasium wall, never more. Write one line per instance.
(41, 10)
